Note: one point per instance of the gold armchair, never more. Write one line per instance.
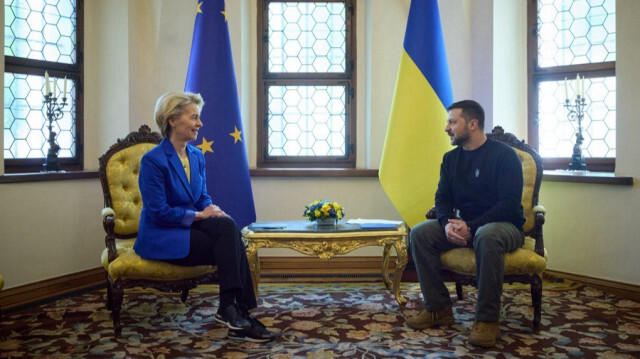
(526, 264)
(118, 172)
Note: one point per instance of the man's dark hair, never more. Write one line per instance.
(470, 110)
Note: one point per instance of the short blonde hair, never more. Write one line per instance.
(171, 105)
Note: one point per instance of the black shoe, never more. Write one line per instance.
(258, 333)
(233, 317)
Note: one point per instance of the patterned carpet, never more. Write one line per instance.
(343, 320)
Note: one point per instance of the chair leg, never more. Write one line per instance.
(117, 293)
(459, 291)
(109, 294)
(184, 294)
(536, 300)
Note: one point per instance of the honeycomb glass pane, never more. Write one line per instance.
(573, 32)
(26, 128)
(306, 120)
(306, 37)
(40, 30)
(557, 133)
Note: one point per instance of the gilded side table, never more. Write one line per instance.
(305, 238)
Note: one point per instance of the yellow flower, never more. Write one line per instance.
(322, 209)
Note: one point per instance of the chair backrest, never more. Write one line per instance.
(119, 168)
(531, 171)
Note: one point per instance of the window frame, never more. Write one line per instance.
(536, 75)
(265, 79)
(74, 72)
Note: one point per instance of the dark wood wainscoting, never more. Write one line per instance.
(624, 290)
(46, 290)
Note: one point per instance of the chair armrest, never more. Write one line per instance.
(539, 208)
(539, 212)
(109, 223)
(107, 211)
(431, 213)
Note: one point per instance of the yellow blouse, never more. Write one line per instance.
(185, 165)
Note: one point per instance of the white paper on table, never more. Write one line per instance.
(372, 221)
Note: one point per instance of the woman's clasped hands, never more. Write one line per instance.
(210, 211)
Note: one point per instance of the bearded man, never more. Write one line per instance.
(478, 205)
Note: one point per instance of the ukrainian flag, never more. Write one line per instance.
(416, 142)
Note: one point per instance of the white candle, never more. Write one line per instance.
(55, 86)
(47, 88)
(578, 92)
(566, 90)
(65, 87)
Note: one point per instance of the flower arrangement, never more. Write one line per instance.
(322, 210)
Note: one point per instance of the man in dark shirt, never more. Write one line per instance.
(478, 205)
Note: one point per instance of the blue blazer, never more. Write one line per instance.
(169, 201)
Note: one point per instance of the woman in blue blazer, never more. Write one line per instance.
(179, 222)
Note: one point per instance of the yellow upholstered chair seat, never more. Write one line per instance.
(119, 168)
(521, 261)
(129, 265)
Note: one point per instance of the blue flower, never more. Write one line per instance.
(322, 209)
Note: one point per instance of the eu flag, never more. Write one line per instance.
(415, 141)
(211, 74)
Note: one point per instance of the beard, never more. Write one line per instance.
(462, 139)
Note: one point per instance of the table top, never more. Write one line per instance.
(310, 227)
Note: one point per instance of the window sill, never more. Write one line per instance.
(586, 177)
(312, 172)
(47, 176)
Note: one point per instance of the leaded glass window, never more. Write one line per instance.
(573, 32)
(557, 133)
(41, 36)
(307, 37)
(569, 38)
(305, 86)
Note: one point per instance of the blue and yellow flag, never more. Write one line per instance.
(416, 142)
(211, 74)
